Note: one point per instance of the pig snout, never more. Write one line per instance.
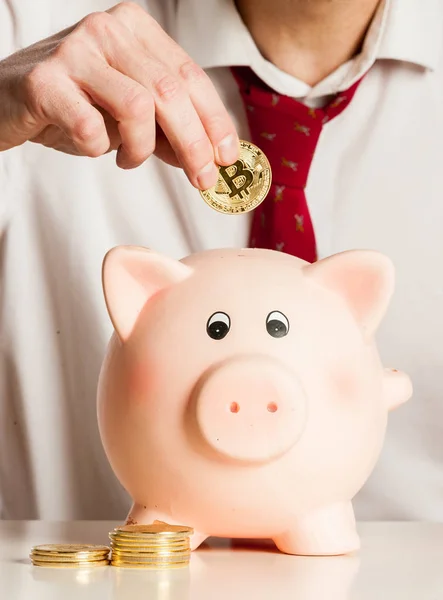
(250, 409)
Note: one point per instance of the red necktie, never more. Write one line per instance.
(287, 131)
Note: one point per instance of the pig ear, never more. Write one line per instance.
(364, 278)
(131, 276)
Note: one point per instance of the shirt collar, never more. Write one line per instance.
(214, 35)
(413, 33)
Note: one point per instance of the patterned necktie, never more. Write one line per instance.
(287, 131)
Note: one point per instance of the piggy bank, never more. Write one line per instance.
(242, 393)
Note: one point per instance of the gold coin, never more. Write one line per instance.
(79, 556)
(123, 552)
(149, 543)
(64, 565)
(150, 557)
(144, 550)
(150, 562)
(241, 187)
(154, 529)
(146, 541)
(70, 549)
(46, 558)
(153, 567)
(165, 538)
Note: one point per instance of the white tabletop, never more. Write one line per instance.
(398, 561)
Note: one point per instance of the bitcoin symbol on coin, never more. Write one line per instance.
(242, 172)
(242, 186)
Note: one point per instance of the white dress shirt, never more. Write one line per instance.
(376, 182)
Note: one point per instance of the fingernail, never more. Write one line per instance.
(207, 176)
(228, 150)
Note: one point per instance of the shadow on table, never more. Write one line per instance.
(238, 569)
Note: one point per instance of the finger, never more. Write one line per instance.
(112, 129)
(213, 115)
(180, 123)
(174, 110)
(53, 137)
(130, 104)
(207, 102)
(163, 149)
(57, 101)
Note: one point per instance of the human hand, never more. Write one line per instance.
(117, 81)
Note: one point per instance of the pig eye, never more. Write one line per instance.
(218, 325)
(277, 325)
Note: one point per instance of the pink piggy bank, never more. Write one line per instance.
(242, 393)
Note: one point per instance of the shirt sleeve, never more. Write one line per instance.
(7, 163)
(6, 29)
(6, 48)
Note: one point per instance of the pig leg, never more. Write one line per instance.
(324, 532)
(139, 515)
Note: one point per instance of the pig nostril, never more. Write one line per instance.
(234, 407)
(272, 407)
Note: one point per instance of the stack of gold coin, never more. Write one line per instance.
(155, 546)
(73, 556)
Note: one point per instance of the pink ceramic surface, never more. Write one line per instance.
(242, 393)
